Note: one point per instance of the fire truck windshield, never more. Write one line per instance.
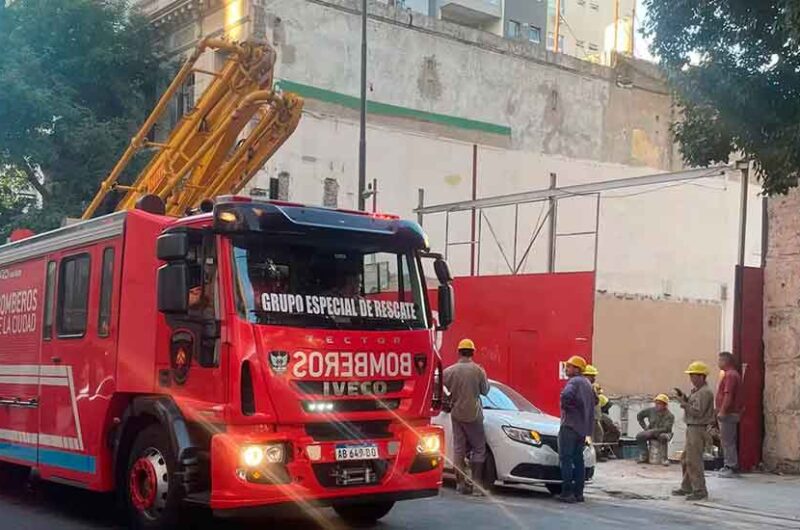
(338, 286)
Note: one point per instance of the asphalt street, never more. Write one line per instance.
(46, 506)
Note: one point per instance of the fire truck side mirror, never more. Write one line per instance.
(172, 246)
(446, 306)
(442, 271)
(173, 288)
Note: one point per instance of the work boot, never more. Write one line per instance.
(643, 460)
(568, 498)
(680, 492)
(477, 479)
(726, 472)
(697, 496)
(463, 487)
(665, 462)
(580, 498)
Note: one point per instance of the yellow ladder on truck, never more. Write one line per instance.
(209, 152)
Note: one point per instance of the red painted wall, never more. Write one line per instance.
(523, 326)
(751, 357)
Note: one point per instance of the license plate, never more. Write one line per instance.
(356, 452)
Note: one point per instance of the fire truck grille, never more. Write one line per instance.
(317, 388)
(346, 431)
(347, 474)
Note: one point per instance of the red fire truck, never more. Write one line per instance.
(249, 355)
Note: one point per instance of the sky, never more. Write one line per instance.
(641, 45)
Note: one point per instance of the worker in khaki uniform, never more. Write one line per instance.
(591, 373)
(656, 423)
(699, 414)
(466, 381)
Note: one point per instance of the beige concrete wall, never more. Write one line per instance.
(642, 347)
(782, 335)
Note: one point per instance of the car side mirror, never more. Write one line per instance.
(173, 288)
(446, 306)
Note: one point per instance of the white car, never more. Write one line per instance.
(522, 442)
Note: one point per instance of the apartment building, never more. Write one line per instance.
(588, 29)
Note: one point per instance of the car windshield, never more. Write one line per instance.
(335, 287)
(502, 397)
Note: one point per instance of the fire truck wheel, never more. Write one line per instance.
(13, 476)
(361, 515)
(153, 500)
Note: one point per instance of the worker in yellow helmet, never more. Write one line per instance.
(656, 423)
(577, 422)
(466, 381)
(591, 373)
(698, 407)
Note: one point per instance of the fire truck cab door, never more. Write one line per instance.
(78, 363)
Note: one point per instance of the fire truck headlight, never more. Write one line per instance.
(429, 444)
(252, 455)
(275, 454)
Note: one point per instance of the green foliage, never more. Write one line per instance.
(735, 65)
(78, 77)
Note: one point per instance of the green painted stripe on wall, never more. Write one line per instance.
(385, 109)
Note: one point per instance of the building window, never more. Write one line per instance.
(580, 43)
(514, 29)
(73, 296)
(106, 292)
(274, 188)
(49, 295)
(594, 5)
(593, 47)
(535, 34)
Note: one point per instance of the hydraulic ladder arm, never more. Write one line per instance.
(211, 151)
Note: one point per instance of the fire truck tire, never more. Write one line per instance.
(152, 495)
(13, 475)
(363, 515)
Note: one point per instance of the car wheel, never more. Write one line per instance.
(152, 495)
(489, 472)
(361, 515)
(554, 489)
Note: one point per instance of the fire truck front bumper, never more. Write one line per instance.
(251, 471)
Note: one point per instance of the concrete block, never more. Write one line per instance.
(782, 389)
(782, 282)
(784, 224)
(781, 337)
(781, 442)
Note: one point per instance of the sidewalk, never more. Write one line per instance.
(752, 493)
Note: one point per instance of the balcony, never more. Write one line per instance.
(474, 13)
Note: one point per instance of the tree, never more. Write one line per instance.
(735, 66)
(78, 77)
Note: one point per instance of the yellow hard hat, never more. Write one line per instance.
(590, 370)
(578, 362)
(697, 367)
(466, 344)
(603, 400)
(662, 398)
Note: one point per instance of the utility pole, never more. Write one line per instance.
(633, 30)
(551, 258)
(616, 28)
(558, 26)
(362, 142)
(738, 302)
